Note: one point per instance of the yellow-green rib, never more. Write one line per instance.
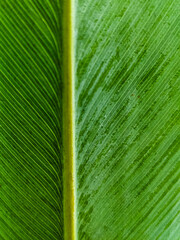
(68, 122)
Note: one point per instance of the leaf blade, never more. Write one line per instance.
(31, 188)
(127, 119)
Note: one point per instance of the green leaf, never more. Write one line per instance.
(127, 120)
(97, 102)
(31, 80)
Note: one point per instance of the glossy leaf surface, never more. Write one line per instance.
(127, 120)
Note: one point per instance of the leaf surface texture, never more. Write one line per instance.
(127, 105)
(31, 116)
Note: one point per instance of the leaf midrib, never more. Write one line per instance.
(69, 183)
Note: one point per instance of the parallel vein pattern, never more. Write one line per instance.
(127, 120)
(31, 172)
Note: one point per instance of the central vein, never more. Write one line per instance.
(69, 121)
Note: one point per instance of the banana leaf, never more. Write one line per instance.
(90, 120)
